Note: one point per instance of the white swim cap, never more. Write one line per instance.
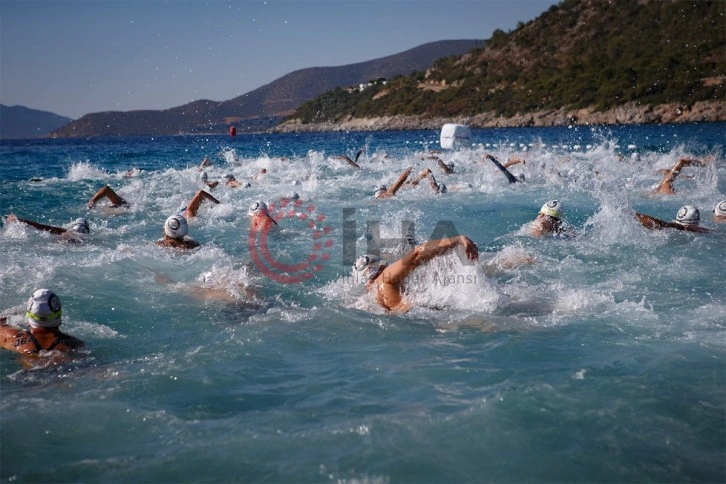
(203, 176)
(176, 227)
(553, 208)
(368, 266)
(379, 190)
(81, 226)
(688, 215)
(44, 309)
(293, 196)
(720, 209)
(257, 207)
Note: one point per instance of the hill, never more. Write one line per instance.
(604, 61)
(264, 107)
(21, 122)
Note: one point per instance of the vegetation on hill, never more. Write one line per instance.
(580, 53)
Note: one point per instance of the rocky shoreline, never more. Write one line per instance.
(631, 113)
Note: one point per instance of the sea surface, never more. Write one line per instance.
(258, 359)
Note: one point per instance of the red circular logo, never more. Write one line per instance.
(279, 271)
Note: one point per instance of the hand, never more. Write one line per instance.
(470, 248)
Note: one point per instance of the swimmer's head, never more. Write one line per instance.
(688, 215)
(81, 226)
(43, 310)
(247, 185)
(520, 177)
(203, 176)
(229, 177)
(720, 209)
(450, 165)
(176, 227)
(257, 208)
(442, 188)
(293, 196)
(553, 208)
(379, 190)
(368, 266)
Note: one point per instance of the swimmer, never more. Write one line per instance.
(549, 220)
(205, 163)
(665, 187)
(261, 173)
(107, 192)
(231, 181)
(510, 177)
(719, 212)
(80, 226)
(175, 231)
(435, 186)
(353, 163)
(196, 201)
(382, 192)
(205, 179)
(687, 219)
(260, 217)
(446, 168)
(388, 280)
(44, 319)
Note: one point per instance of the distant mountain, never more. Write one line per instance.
(264, 107)
(22, 122)
(610, 60)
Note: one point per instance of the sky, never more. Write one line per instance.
(72, 57)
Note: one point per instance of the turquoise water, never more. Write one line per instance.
(604, 361)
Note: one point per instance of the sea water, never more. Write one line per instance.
(250, 360)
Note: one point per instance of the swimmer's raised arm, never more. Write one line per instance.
(196, 201)
(106, 192)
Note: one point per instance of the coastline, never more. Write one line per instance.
(631, 113)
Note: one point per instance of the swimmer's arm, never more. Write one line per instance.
(107, 192)
(444, 167)
(653, 223)
(424, 173)
(514, 161)
(510, 177)
(349, 161)
(399, 270)
(401, 180)
(196, 201)
(43, 227)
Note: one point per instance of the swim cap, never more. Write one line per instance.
(81, 226)
(229, 176)
(248, 185)
(176, 227)
(442, 188)
(379, 190)
(450, 165)
(368, 266)
(203, 176)
(257, 207)
(293, 196)
(553, 208)
(44, 309)
(520, 177)
(720, 209)
(688, 215)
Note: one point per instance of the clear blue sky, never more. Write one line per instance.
(77, 57)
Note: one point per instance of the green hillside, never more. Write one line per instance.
(580, 53)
